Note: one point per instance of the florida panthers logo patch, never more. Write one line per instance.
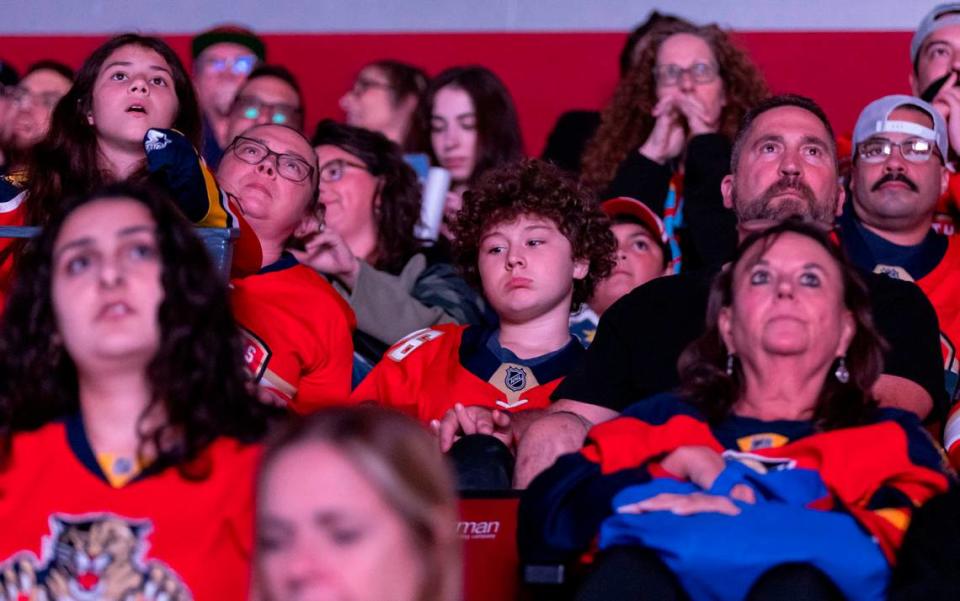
(91, 558)
(156, 140)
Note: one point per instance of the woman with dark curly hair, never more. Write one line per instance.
(536, 244)
(774, 436)
(126, 422)
(665, 137)
(468, 125)
(393, 282)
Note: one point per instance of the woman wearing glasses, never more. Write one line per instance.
(383, 98)
(367, 245)
(665, 137)
(296, 327)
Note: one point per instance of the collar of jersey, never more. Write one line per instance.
(867, 249)
(286, 261)
(80, 446)
(477, 357)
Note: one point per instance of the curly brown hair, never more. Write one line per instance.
(533, 187)
(626, 121)
(703, 375)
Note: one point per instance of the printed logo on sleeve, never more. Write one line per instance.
(256, 354)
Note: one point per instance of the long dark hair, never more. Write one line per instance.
(399, 208)
(197, 375)
(703, 376)
(498, 129)
(65, 163)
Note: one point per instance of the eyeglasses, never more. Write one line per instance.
(241, 65)
(670, 75)
(289, 166)
(279, 114)
(877, 150)
(23, 96)
(332, 171)
(362, 84)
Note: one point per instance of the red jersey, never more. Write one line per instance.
(426, 372)
(297, 334)
(68, 534)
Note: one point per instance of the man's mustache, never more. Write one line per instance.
(894, 177)
(790, 184)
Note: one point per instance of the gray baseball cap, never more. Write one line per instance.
(938, 18)
(874, 119)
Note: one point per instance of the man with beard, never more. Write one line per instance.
(783, 164)
(898, 174)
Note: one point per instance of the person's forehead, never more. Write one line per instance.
(452, 99)
(373, 73)
(949, 34)
(269, 89)
(789, 122)
(104, 218)
(138, 56)
(224, 50)
(280, 139)
(631, 229)
(790, 249)
(329, 152)
(45, 79)
(522, 222)
(684, 47)
(911, 115)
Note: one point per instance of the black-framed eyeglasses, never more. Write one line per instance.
(332, 171)
(278, 113)
(289, 166)
(362, 84)
(670, 75)
(877, 150)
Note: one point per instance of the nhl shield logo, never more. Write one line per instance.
(515, 379)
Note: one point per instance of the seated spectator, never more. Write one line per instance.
(783, 163)
(666, 135)
(297, 330)
(574, 129)
(472, 126)
(130, 84)
(270, 94)
(536, 245)
(898, 173)
(355, 503)
(8, 80)
(643, 253)
(125, 416)
(33, 100)
(367, 245)
(223, 57)
(775, 435)
(384, 97)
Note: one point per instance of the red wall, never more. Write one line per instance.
(549, 73)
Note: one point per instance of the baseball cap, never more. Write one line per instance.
(874, 119)
(233, 34)
(624, 205)
(936, 19)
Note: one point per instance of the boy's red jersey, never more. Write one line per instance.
(68, 534)
(297, 334)
(428, 371)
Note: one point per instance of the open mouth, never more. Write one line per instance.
(136, 108)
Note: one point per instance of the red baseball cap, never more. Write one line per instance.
(624, 205)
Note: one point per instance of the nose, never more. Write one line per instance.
(268, 167)
(784, 288)
(138, 85)
(515, 259)
(111, 273)
(685, 83)
(894, 162)
(790, 163)
(265, 116)
(451, 138)
(346, 100)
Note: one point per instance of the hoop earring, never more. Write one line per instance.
(730, 359)
(842, 374)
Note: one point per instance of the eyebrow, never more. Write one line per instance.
(129, 63)
(87, 240)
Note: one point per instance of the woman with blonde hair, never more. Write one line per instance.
(356, 503)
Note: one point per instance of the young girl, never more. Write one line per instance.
(126, 422)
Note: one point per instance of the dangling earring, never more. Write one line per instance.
(730, 359)
(841, 373)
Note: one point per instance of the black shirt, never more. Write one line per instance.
(640, 338)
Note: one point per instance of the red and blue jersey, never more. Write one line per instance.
(428, 371)
(68, 533)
